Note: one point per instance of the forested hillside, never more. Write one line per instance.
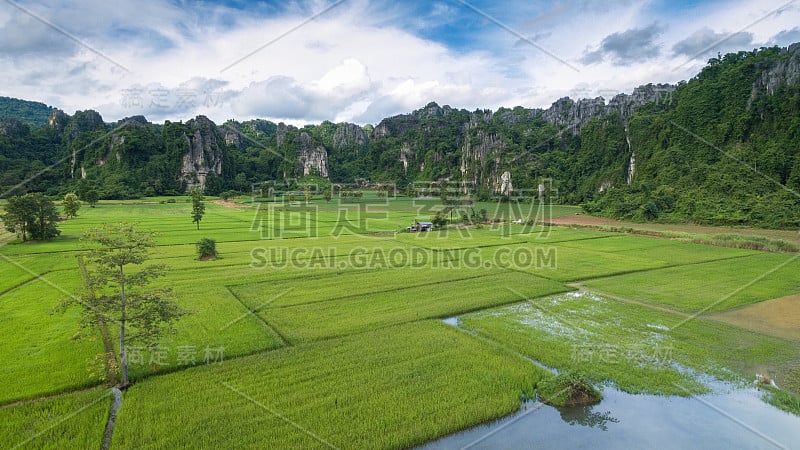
(721, 148)
(34, 114)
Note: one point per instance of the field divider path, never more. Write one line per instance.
(397, 289)
(501, 346)
(240, 264)
(15, 403)
(529, 240)
(648, 269)
(24, 282)
(116, 404)
(284, 342)
(583, 290)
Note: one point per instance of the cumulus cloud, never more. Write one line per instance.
(706, 41)
(24, 36)
(786, 37)
(627, 47)
(159, 102)
(362, 61)
(286, 97)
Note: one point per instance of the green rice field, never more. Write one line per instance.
(321, 325)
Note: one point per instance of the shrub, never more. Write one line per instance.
(568, 389)
(207, 249)
(228, 195)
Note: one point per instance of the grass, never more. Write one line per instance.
(749, 242)
(710, 286)
(673, 253)
(568, 389)
(573, 264)
(318, 323)
(782, 399)
(393, 388)
(67, 421)
(39, 357)
(358, 313)
(345, 284)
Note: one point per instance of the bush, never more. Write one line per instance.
(228, 195)
(207, 249)
(568, 389)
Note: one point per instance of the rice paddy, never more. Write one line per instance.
(318, 325)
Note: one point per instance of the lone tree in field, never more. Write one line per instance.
(31, 216)
(118, 294)
(71, 205)
(207, 249)
(91, 197)
(439, 220)
(198, 207)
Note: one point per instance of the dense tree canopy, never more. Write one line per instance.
(31, 216)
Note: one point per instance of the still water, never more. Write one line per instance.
(735, 418)
(730, 417)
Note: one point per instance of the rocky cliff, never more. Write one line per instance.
(481, 154)
(782, 73)
(82, 122)
(572, 114)
(311, 158)
(13, 127)
(57, 120)
(348, 136)
(233, 135)
(205, 155)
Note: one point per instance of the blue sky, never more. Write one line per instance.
(361, 60)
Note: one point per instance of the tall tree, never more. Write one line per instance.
(71, 205)
(32, 216)
(46, 216)
(198, 207)
(91, 197)
(19, 214)
(116, 293)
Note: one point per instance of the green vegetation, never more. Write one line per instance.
(198, 207)
(638, 349)
(207, 249)
(710, 286)
(719, 149)
(117, 296)
(732, 240)
(394, 388)
(71, 205)
(332, 319)
(31, 216)
(750, 242)
(41, 356)
(568, 389)
(716, 152)
(67, 421)
(32, 114)
(782, 399)
(346, 315)
(91, 197)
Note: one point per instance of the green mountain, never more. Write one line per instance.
(34, 114)
(721, 148)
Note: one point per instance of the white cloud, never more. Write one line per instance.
(362, 60)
